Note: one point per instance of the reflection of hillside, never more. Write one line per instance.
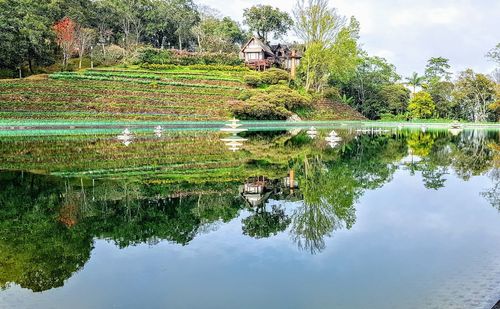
(47, 224)
(36, 251)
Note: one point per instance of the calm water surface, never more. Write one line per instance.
(270, 219)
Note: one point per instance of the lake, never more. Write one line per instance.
(335, 217)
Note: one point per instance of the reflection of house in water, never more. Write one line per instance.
(256, 191)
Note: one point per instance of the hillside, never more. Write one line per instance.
(183, 93)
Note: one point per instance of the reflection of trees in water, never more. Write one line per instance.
(263, 223)
(329, 194)
(47, 225)
(493, 194)
(36, 251)
(472, 156)
(467, 155)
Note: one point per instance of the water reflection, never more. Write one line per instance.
(234, 142)
(284, 182)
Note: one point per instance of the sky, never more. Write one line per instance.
(408, 33)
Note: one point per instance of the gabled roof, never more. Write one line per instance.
(264, 47)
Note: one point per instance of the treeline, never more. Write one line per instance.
(39, 33)
(335, 65)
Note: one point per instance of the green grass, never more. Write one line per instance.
(127, 94)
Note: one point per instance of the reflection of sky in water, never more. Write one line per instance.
(410, 248)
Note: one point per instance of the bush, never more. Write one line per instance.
(112, 55)
(260, 109)
(155, 66)
(333, 94)
(219, 67)
(274, 76)
(391, 117)
(253, 80)
(270, 77)
(150, 55)
(288, 98)
(275, 103)
(6, 73)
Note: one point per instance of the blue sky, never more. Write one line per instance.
(408, 33)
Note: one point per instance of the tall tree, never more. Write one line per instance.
(215, 34)
(185, 17)
(84, 40)
(370, 77)
(66, 38)
(415, 81)
(437, 69)
(473, 94)
(265, 21)
(25, 34)
(421, 106)
(331, 45)
(396, 96)
(494, 54)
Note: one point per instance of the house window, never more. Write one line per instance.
(253, 56)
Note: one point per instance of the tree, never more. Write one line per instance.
(265, 20)
(25, 34)
(217, 35)
(421, 106)
(330, 44)
(396, 96)
(437, 69)
(473, 94)
(371, 75)
(442, 95)
(84, 40)
(66, 38)
(185, 17)
(494, 54)
(415, 81)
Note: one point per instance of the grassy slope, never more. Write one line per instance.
(133, 94)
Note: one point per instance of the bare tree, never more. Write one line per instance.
(84, 39)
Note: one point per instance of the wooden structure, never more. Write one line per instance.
(261, 56)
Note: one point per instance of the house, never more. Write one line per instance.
(261, 56)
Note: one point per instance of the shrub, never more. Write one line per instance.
(155, 66)
(112, 55)
(180, 57)
(275, 103)
(289, 98)
(391, 117)
(274, 76)
(253, 80)
(270, 77)
(260, 109)
(6, 73)
(219, 67)
(421, 106)
(333, 94)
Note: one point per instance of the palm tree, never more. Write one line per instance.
(415, 81)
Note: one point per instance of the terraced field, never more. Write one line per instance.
(134, 93)
(123, 94)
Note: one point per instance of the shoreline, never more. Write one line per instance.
(40, 127)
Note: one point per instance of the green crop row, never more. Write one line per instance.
(156, 76)
(108, 97)
(90, 85)
(76, 76)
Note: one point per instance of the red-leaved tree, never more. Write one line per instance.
(66, 37)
